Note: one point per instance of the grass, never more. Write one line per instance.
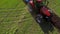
(5, 4)
(19, 20)
(55, 6)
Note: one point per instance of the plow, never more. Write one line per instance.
(41, 12)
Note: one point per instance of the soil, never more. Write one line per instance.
(56, 21)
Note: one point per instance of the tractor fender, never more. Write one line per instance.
(45, 11)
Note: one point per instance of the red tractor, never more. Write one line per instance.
(42, 11)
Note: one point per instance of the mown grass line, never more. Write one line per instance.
(12, 29)
(8, 23)
(4, 16)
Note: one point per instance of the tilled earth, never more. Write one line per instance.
(56, 21)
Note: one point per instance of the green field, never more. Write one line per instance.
(15, 18)
(55, 5)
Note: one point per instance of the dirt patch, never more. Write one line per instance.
(56, 21)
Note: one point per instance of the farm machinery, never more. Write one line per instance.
(41, 10)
